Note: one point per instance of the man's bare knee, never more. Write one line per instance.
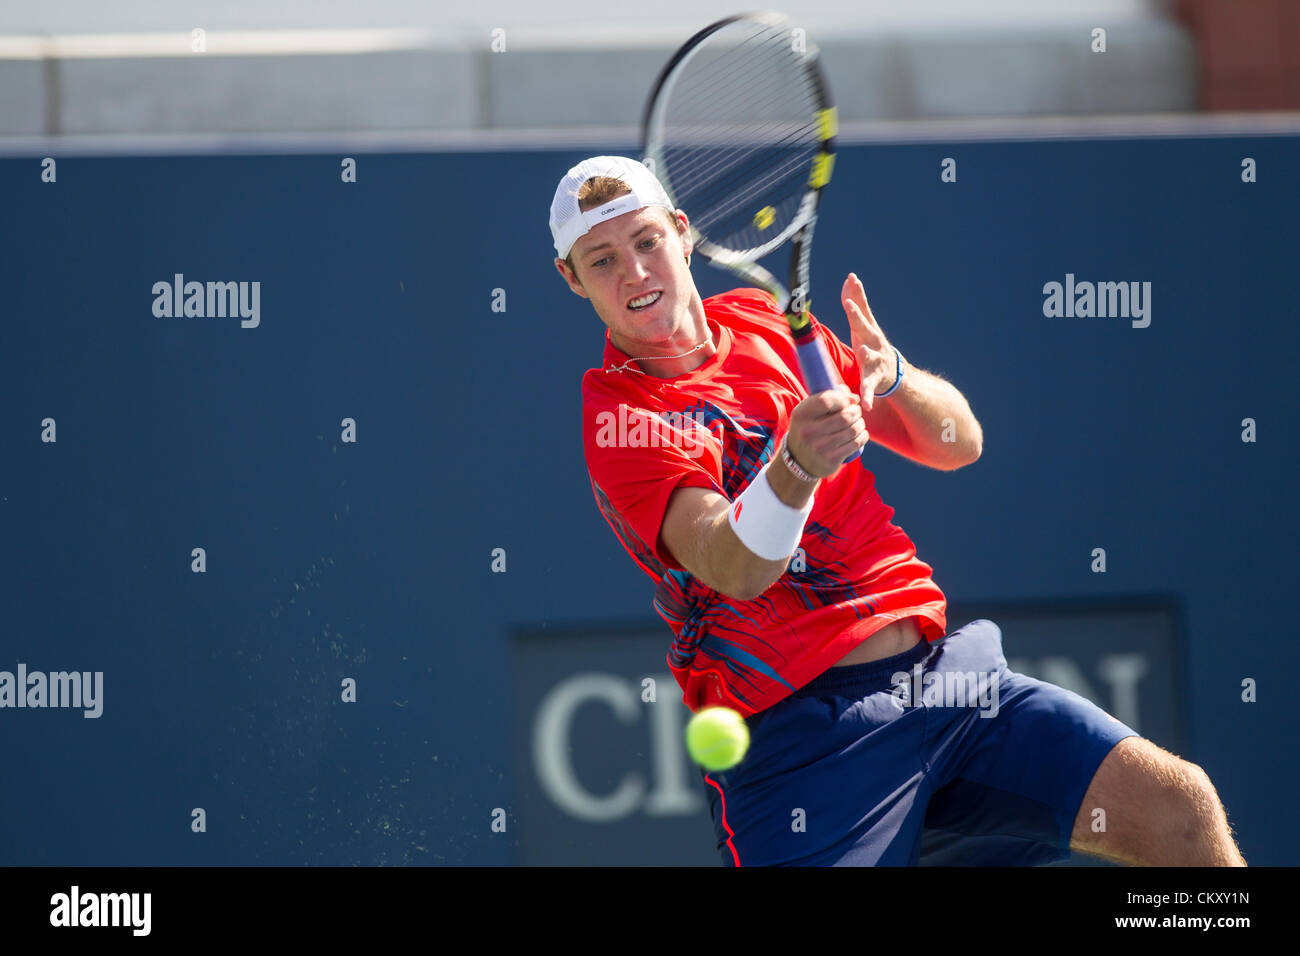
(1160, 809)
(1208, 817)
(1190, 806)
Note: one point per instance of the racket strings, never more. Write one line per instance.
(705, 81)
(740, 133)
(752, 144)
(747, 110)
(744, 191)
(785, 137)
(725, 184)
(741, 106)
(744, 186)
(749, 170)
(723, 51)
(716, 87)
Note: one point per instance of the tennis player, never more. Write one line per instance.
(878, 737)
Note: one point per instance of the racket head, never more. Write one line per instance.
(740, 130)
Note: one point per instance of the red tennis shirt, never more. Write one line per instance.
(716, 427)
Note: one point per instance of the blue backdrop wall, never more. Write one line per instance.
(372, 559)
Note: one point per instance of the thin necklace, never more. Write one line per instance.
(624, 366)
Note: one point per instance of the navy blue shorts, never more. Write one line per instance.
(938, 756)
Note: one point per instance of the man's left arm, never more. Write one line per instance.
(926, 419)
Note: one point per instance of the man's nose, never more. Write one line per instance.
(636, 270)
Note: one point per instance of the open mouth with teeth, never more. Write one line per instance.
(644, 301)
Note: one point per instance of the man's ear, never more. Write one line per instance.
(571, 278)
(684, 230)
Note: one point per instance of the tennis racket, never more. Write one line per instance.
(740, 130)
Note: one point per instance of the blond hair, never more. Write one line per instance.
(597, 191)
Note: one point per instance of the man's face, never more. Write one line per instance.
(637, 258)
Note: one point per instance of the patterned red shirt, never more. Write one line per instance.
(716, 427)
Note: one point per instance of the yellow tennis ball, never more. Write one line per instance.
(717, 738)
(765, 217)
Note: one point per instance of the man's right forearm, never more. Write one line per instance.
(747, 574)
(792, 491)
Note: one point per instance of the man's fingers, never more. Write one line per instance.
(828, 427)
(854, 296)
(861, 325)
(858, 293)
(833, 426)
(860, 439)
(841, 450)
(831, 400)
(824, 444)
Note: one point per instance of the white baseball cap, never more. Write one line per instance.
(569, 223)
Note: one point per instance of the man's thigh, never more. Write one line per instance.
(1013, 784)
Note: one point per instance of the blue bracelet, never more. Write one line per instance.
(898, 377)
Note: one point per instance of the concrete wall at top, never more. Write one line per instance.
(528, 77)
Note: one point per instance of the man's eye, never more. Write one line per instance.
(600, 262)
(650, 242)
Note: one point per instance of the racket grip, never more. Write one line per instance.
(818, 373)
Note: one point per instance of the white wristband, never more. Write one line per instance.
(764, 523)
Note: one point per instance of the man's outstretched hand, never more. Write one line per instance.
(875, 355)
